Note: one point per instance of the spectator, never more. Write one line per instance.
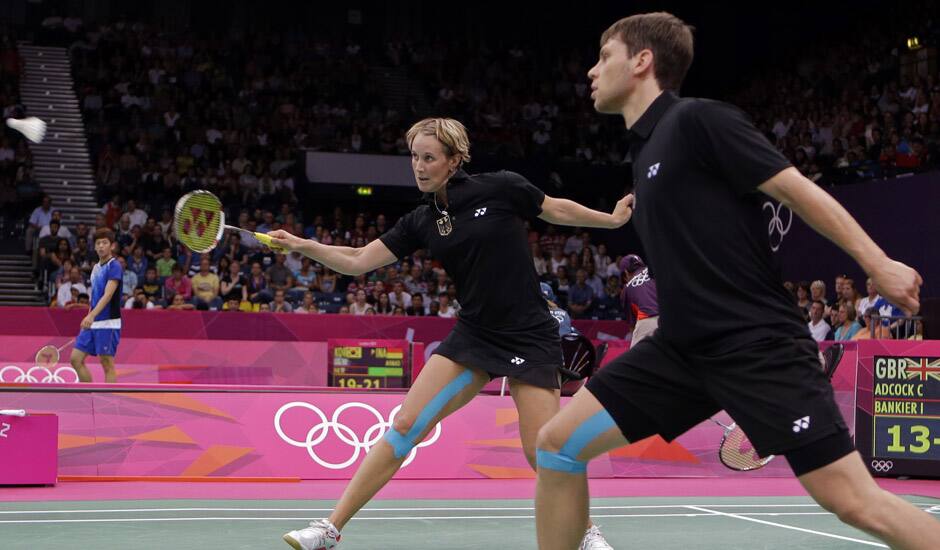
(206, 287)
(178, 302)
(306, 277)
(871, 298)
(129, 279)
(39, 218)
(278, 275)
(580, 296)
(444, 307)
(360, 306)
(818, 292)
(82, 301)
(308, 305)
(64, 294)
(399, 297)
(166, 263)
(152, 286)
(802, 298)
(139, 300)
(234, 284)
(384, 306)
(280, 305)
(258, 291)
(818, 328)
(137, 263)
(135, 215)
(178, 283)
(848, 327)
(417, 306)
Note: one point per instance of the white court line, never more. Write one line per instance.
(763, 522)
(932, 509)
(394, 518)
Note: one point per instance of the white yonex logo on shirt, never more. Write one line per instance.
(653, 170)
(517, 360)
(479, 212)
(801, 424)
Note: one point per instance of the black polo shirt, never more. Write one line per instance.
(696, 167)
(487, 252)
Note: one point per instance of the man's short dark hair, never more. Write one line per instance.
(667, 36)
(104, 233)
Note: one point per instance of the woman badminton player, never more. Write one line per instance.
(474, 224)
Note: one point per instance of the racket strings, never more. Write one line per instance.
(198, 221)
(47, 356)
(737, 452)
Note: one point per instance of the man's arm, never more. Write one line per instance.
(898, 283)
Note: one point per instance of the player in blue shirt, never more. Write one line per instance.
(101, 328)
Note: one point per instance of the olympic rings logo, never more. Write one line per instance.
(640, 278)
(882, 465)
(776, 225)
(318, 433)
(27, 376)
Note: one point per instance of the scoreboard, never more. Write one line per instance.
(369, 364)
(898, 415)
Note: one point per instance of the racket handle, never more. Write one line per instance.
(265, 239)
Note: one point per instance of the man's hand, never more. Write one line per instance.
(87, 321)
(286, 240)
(898, 284)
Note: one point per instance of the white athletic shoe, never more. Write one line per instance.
(594, 540)
(321, 535)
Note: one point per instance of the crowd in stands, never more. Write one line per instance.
(167, 113)
(849, 314)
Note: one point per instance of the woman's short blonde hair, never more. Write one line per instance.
(451, 133)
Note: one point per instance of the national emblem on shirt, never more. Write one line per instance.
(444, 226)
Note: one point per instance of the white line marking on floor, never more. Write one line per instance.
(763, 522)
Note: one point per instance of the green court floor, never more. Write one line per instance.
(628, 523)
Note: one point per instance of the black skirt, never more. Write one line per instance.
(532, 356)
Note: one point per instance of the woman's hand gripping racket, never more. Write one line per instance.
(199, 223)
(736, 451)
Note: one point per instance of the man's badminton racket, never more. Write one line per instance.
(736, 451)
(200, 222)
(580, 359)
(48, 356)
(33, 128)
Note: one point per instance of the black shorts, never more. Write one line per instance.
(531, 356)
(774, 389)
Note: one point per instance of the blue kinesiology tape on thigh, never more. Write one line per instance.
(402, 444)
(566, 460)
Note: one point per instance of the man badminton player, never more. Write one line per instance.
(101, 328)
(474, 224)
(729, 334)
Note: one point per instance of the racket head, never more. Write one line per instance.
(199, 221)
(831, 359)
(579, 358)
(47, 356)
(737, 453)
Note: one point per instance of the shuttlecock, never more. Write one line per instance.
(33, 128)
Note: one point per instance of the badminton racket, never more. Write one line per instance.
(12, 412)
(579, 356)
(48, 356)
(200, 222)
(736, 451)
(33, 128)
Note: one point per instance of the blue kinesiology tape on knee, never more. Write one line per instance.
(566, 460)
(402, 444)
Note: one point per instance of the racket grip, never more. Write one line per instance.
(265, 239)
(12, 412)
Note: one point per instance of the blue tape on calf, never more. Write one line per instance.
(566, 460)
(404, 443)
